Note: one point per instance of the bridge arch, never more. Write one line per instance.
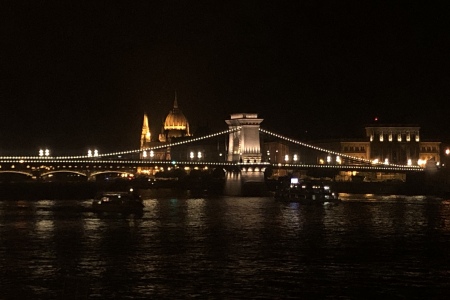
(16, 172)
(15, 176)
(117, 172)
(63, 176)
(64, 171)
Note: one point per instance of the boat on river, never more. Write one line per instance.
(306, 191)
(118, 202)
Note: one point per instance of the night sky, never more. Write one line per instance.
(77, 74)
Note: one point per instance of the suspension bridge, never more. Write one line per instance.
(301, 156)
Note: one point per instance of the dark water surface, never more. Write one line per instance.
(366, 247)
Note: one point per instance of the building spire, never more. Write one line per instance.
(146, 135)
(175, 102)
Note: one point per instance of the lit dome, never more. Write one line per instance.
(176, 120)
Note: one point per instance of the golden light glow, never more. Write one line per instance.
(421, 162)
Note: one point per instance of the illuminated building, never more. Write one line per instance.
(175, 125)
(393, 143)
(387, 144)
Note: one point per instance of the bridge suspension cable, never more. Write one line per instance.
(87, 157)
(191, 140)
(167, 145)
(353, 158)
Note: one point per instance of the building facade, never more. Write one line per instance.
(389, 144)
(175, 126)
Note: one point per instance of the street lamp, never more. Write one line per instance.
(45, 152)
(93, 153)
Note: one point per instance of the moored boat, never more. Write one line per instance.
(306, 191)
(120, 202)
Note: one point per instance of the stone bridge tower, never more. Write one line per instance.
(244, 144)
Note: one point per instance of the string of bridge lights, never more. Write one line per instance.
(340, 154)
(44, 155)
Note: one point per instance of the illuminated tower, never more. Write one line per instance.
(146, 135)
(244, 143)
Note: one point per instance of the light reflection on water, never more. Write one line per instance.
(228, 247)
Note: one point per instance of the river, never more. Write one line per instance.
(227, 247)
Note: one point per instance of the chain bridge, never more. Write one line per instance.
(244, 147)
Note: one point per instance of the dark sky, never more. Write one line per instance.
(79, 74)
